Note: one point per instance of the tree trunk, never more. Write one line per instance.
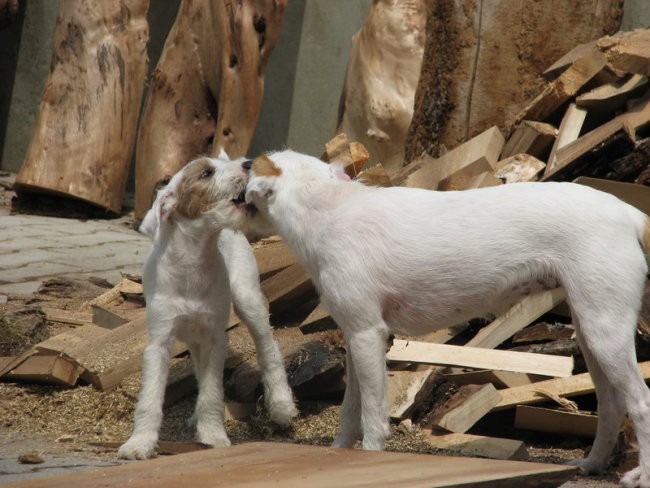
(85, 131)
(483, 61)
(206, 92)
(376, 105)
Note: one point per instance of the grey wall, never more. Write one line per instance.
(636, 15)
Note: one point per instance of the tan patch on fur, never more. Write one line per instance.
(646, 235)
(192, 190)
(264, 166)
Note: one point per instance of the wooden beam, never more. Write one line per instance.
(613, 96)
(577, 385)
(569, 131)
(530, 137)
(628, 51)
(556, 421)
(272, 257)
(285, 286)
(478, 446)
(319, 319)
(473, 357)
(466, 407)
(407, 389)
(50, 370)
(519, 316)
(500, 379)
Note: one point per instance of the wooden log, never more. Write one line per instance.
(376, 103)
(474, 357)
(577, 385)
(487, 146)
(556, 421)
(466, 407)
(478, 446)
(569, 130)
(518, 168)
(530, 137)
(85, 131)
(206, 91)
(457, 96)
(519, 316)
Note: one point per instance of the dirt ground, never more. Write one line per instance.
(56, 428)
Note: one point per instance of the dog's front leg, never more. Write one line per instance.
(350, 416)
(148, 411)
(209, 358)
(368, 349)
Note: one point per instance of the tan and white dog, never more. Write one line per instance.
(192, 273)
(408, 261)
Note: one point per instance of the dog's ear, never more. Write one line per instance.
(338, 173)
(223, 154)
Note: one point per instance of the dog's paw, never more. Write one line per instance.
(138, 448)
(587, 466)
(213, 438)
(283, 412)
(635, 478)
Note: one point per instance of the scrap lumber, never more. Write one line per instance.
(272, 256)
(556, 421)
(478, 446)
(352, 155)
(569, 130)
(500, 379)
(319, 319)
(518, 168)
(165, 448)
(636, 195)
(272, 464)
(398, 178)
(568, 59)
(479, 358)
(470, 176)
(283, 288)
(50, 370)
(486, 146)
(466, 407)
(106, 318)
(613, 96)
(577, 385)
(628, 51)
(559, 91)
(544, 332)
(407, 389)
(519, 316)
(67, 316)
(375, 176)
(530, 137)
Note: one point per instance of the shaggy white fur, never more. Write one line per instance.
(408, 261)
(191, 275)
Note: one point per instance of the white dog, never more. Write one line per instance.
(190, 275)
(408, 261)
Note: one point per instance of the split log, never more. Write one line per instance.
(206, 91)
(85, 130)
(376, 104)
(470, 45)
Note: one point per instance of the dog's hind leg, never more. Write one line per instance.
(148, 411)
(350, 416)
(209, 358)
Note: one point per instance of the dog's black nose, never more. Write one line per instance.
(247, 165)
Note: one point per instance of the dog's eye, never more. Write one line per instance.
(207, 173)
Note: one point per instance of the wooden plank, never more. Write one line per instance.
(466, 407)
(628, 51)
(556, 93)
(477, 445)
(407, 389)
(568, 59)
(580, 384)
(266, 464)
(569, 131)
(556, 421)
(286, 285)
(479, 358)
(632, 193)
(399, 177)
(486, 145)
(319, 319)
(375, 176)
(530, 137)
(613, 96)
(465, 178)
(67, 316)
(518, 168)
(50, 370)
(519, 316)
(106, 318)
(352, 155)
(272, 256)
(500, 379)
(544, 332)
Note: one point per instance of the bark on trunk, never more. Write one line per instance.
(85, 131)
(207, 89)
(483, 61)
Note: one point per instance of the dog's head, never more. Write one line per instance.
(209, 189)
(286, 172)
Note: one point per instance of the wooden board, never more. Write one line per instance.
(466, 407)
(272, 257)
(636, 195)
(262, 464)
(474, 357)
(407, 389)
(530, 137)
(518, 168)
(556, 421)
(612, 96)
(285, 286)
(51, 370)
(569, 131)
(478, 445)
(577, 385)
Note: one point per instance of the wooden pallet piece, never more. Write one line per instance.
(569, 131)
(556, 93)
(519, 316)
(479, 358)
(530, 137)
(407, 389)
(478, 446)
(266, 464)
(486, 145)
(580, 384)
(466, 407)
(556, 421)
